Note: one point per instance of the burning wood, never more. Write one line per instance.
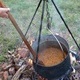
(19, 72)
(18, 61)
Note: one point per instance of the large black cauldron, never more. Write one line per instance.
(57, 71)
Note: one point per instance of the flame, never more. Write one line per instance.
(30, 61)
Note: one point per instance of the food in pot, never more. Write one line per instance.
(51, 56)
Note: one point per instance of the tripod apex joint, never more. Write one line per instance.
(45, 0)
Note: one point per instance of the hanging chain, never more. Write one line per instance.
(49, 19)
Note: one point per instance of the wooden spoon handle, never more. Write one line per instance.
(19, 31)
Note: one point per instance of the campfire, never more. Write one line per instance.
(19, 66)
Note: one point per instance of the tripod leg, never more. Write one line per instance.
(65, 24)
(33, 17)
(40, 28)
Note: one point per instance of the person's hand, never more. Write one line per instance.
(3, 12)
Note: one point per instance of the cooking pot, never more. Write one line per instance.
(56, 71)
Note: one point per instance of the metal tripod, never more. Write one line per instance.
(40, 28)
(59, 15)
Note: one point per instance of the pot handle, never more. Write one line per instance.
(77, 56)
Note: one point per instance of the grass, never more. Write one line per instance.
(71, 12)
(23, 12)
